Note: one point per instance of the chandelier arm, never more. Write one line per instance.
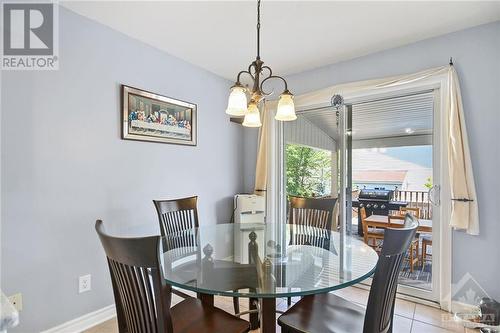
(254, 66)
(269, 69)
(273, 77)
(244, 72)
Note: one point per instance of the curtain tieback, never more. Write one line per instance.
(462, 199)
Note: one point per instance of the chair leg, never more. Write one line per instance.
(411, 258)
(424, 251)
(289, 301)
(236, 305)
(416, 253)
(285, 329)
(425, 244)
(254, 317)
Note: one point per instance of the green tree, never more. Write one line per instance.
(428, 183)
(308, 171)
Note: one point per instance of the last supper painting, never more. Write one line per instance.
(151, 117)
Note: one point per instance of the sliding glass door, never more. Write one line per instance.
(392, 149)
(388, 144)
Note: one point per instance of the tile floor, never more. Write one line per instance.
(409, 317)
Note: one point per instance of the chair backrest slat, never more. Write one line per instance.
(179, 217)
(412, 210)
(141, 295)
(380, 308)
(311, 221)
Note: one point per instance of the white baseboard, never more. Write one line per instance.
(459, 307)
(91, 319)
(84, 322)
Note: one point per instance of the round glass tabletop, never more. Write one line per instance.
(252, 260)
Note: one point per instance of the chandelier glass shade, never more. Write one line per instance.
(286, 108)
(238, 104)
(252, 116)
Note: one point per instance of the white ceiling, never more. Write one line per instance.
(387, 118)
(393, 117)
(296, 36)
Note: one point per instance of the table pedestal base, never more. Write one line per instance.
(268, 315)
(254, 317)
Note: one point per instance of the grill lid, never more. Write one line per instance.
(375, 194)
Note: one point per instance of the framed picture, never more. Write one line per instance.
(151, 117)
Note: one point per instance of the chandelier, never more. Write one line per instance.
(238, 104)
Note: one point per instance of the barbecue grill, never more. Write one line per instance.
(376, 201)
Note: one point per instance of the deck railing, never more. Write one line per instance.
(418, 199)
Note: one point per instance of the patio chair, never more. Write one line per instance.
(413, 254)
(372, 234)
(415, 211)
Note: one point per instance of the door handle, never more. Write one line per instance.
(434, 195)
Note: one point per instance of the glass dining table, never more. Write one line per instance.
(263, 262)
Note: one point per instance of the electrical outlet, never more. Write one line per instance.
(84, 283)
(17, 301)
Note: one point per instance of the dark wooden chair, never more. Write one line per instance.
(178, 222)
(143, 298)
(178, 215)
(311, 221)
(330, 313)
(308, 213)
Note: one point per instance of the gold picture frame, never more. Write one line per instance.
(147, 116)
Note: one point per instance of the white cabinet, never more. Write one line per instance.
(249, 216)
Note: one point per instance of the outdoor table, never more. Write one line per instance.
(382, 221)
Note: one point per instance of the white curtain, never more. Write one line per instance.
(464, 214)
(261, 166)
(265, 177)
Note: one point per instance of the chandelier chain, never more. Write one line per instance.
(258, 29)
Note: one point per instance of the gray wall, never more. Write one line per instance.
(64, 164)
(476, 53)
